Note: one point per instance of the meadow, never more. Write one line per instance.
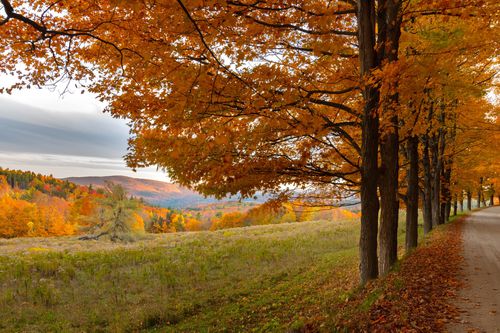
(267, 278)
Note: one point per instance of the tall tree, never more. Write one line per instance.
(237, 97)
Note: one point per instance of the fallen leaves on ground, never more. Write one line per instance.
(417, 296)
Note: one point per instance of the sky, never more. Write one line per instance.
(65, 136)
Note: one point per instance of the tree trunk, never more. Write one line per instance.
(446, 192)
(427, 191)
(442, 213)
(469, 200)
(441, 171)
(480, 193)
(436, 182)
(492, 199)
(388, 246)
(412, 195)
(455, 205)
(369, 145)
(461, 201)
(389, 31)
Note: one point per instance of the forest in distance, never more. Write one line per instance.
(390, 104)
(35, 205)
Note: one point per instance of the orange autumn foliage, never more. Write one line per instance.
(47, 221)
(138, 224)
(4, 186)
(16, 217)
(230, 220)
(238, 97)
(290, 100)
(193, 224)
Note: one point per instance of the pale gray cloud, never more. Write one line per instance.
(31, 130)
(64, 144)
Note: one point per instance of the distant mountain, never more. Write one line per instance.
(152, 191)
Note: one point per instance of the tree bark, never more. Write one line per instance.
(436, 182)
(427, 191)
(455, 205)
(389, 31)
(447, 210)
(369, 145)
(93, 237)
(492, 199)
(479, 192)
(446, 192)
(442, 213)
(461, 201)
(412, 195)
(441, 171)
(469, 200)
(388, 246)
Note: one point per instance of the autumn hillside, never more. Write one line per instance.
(154, 192)
(36, 205)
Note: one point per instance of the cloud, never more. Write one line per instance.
(64, 143)
(75, 166)
(28, 129)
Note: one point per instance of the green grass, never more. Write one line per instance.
(264, 278)
(257, 279)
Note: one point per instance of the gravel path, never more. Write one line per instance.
(479, 301)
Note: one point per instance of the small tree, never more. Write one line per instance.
(115, 215)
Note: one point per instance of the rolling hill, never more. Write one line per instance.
(153, 191)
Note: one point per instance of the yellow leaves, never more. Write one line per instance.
(251, 123)
(193, 224)
(15, 216)
(229, 220)
(4, 186)
(138, 223)
(19, 218)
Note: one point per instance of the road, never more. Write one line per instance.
(479, 301)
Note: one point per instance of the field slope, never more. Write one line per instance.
(265, 278)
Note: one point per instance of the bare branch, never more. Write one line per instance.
(205, 44)
(304, 30)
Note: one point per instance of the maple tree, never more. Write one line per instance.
(40, 216)
(437, 92)
(193, 224)
(15, 217)
(229, 220)
(4, 186)
(237, 97)
(448, 104)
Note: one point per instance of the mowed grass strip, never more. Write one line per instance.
(258, 278)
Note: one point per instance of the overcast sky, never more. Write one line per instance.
(63, 136)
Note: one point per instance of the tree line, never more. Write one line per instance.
(385, 99)
(43, 206)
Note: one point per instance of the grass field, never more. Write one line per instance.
(258, 279)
